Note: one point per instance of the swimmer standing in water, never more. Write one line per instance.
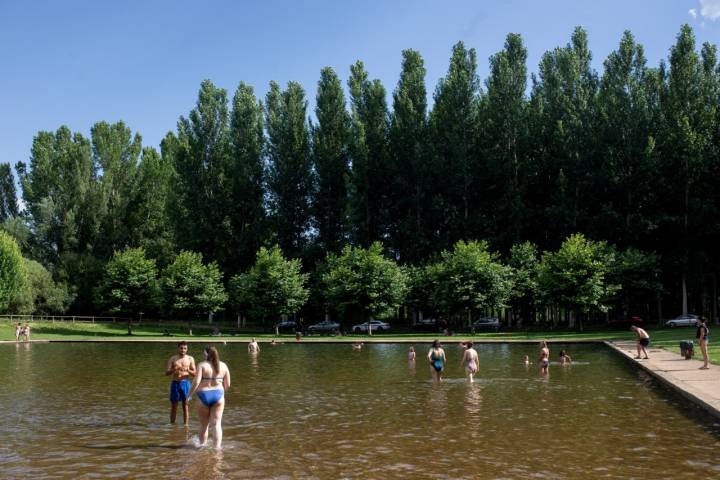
(253, 346)
(436, 357)
(470, 361)
(544, 360)
(411, 354)
(180, 366)
(526, 360)
(564, 358)
(212, 380)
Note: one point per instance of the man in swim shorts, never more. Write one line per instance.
(180, 366)
(643, 340)
(253, 346)
(470, 361)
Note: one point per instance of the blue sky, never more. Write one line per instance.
(77, 62)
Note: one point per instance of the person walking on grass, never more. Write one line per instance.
(703, 337)
(210, 383)
(180, 366)
(643, 340)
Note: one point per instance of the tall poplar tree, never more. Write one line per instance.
(369, 153)
(505, 138)
(408, 146)
(246, 174)
(290, 169)
(454, 129)
(8, 197)
(331, 160)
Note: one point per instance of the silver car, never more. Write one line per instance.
(375, 326)
(688, 320)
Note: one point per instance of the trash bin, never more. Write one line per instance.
(686, 349)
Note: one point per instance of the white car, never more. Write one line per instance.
(375, 326)
(688, 320)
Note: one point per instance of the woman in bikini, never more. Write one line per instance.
(703, 337)
(436, 357)
(210, 382)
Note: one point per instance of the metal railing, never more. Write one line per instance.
(64, 318)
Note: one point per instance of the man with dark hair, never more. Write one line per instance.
(643, 340)
(180, 366)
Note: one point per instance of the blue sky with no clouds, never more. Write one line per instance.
(77, 62)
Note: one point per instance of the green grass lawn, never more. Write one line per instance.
(666, 338)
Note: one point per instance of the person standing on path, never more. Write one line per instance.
(643, 340)
(180, 366)
(703, 337)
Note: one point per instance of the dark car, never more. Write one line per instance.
(326, 326)
(429, 325)
(287, 326)
(487, 323)
(625, 322)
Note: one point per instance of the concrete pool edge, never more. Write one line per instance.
(701, 387)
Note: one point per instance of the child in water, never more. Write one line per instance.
(526, 360)
(564, 358)
(411, 354)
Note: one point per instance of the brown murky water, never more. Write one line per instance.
(325, 411)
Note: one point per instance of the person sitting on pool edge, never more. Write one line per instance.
(180, 366)
(643, 340)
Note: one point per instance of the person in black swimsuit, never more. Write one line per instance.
(703, 337)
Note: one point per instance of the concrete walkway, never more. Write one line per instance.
(702, 387)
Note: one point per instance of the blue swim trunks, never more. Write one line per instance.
(179, 390)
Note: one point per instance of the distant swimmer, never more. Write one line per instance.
(526, 360)
(357, 345)
(544, 360)
(564, 358)
(643, 340)
(436, 357)
(411, 354)
(210, 383)
(180, 366)
(470, 361)
(253, 346)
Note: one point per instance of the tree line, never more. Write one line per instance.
(628, 156)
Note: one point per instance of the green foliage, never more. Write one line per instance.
(130, 283)
(470, 278)
(272, 287)
(290, 167)
(330, 156)
(524, 264)
(40, 294)
(190, 287)
(12, 272)
(576, 276)
(364, 281)
(8, 197)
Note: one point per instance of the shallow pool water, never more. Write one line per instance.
(327, 411)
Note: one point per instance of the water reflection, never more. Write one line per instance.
(324, 411)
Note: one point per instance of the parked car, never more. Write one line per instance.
(375, 326)
(688, 320)
(429, 325)
(287, 326)
(625, 322)
(326, 326)
(487, 323)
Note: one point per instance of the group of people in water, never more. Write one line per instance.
(22, 331)
(471, 364)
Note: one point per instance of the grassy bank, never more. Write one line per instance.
(666, 338)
